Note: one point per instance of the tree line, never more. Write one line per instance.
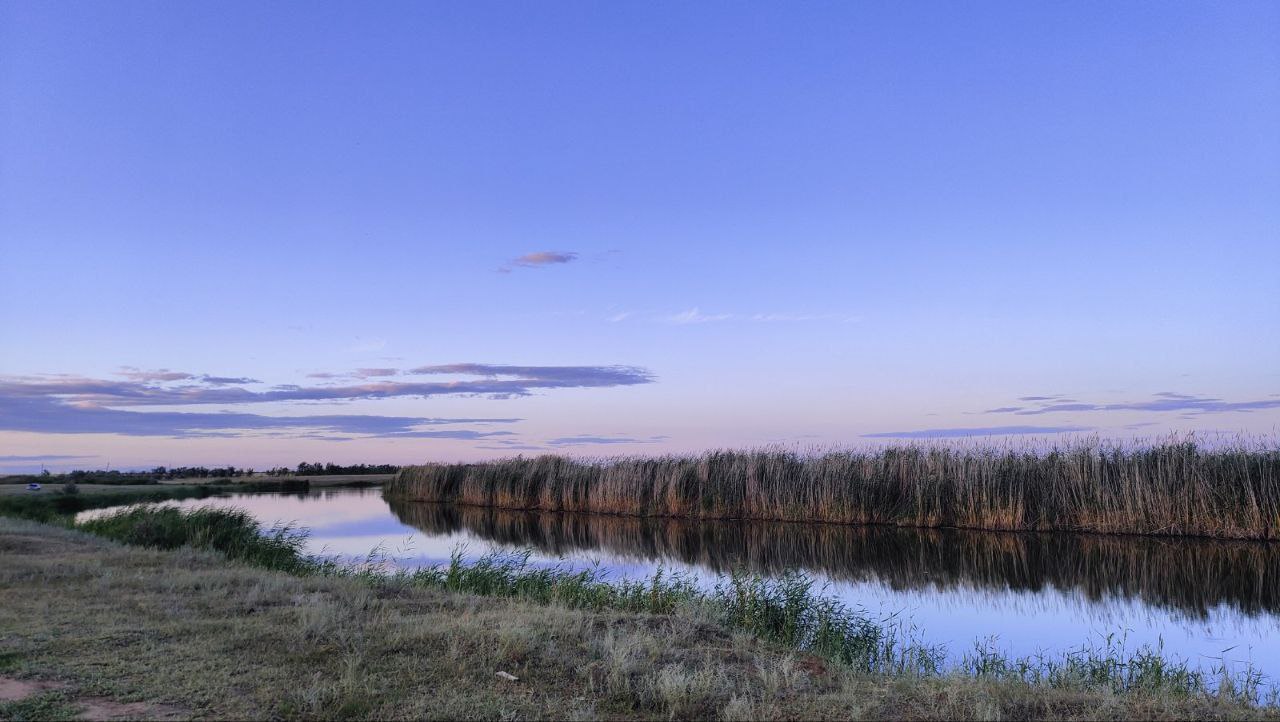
(168, 473)
(318, 469)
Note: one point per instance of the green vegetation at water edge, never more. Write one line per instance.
(62, 505)
(232, 532)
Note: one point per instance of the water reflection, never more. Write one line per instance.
(1189, 577)
(1208, 602)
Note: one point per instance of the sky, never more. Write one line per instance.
(261, 233)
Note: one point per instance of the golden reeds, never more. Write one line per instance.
(1173, 488)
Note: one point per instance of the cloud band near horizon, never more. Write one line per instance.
(1165, 401)
(71, 404)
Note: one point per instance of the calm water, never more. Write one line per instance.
(1206, 601)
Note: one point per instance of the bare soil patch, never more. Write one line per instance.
(12, 690)
(89, 708)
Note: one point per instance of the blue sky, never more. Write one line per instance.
(630, 227)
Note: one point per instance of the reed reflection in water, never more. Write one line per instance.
(1189, 577)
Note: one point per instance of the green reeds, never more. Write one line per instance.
(231, 531)
(1172, 488)
(1109, 664)
(511, 575)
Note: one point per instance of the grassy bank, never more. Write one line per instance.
(787, 612)
(1166, 489)
(239, 640)
(61, 504)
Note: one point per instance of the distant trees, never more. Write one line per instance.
(197, 472)
(168, 473)
(318, 469)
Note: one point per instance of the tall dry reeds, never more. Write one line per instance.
(1172, 488)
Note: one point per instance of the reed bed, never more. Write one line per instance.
(1170, 488)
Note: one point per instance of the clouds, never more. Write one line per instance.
(539, 259)
(960, 433)
(73, 404)
(1165, 401)
(371, 373)
(695, 315)
(587, 439)
(466, 434)
(225, 380)
(494, 380)
(563, 441)
(162, 375)
(44, 457)
(49, 415)
(136, 374)
(510, 445)
(548, 376)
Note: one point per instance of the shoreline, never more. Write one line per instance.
(243, 641)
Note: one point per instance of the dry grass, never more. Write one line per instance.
(1173, 488)
(222, 640)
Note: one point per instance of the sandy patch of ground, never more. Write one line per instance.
(90, 708)
(12, 690)
(97, 708)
